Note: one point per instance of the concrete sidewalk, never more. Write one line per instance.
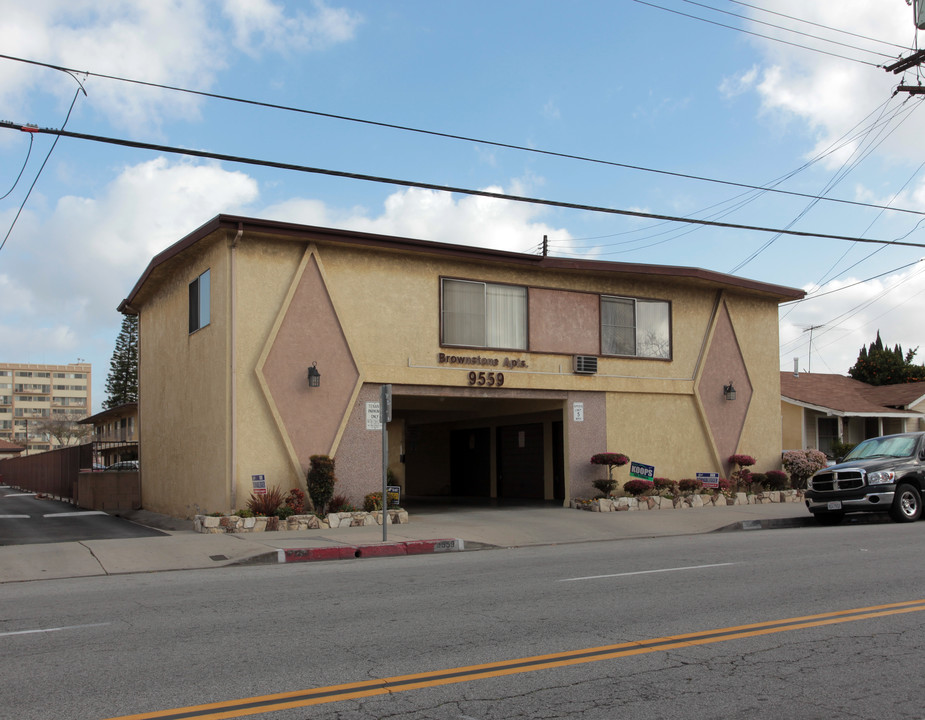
(431, 529)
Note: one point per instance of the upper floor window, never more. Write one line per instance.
(637, 328)
(199, 295)
(477, 314)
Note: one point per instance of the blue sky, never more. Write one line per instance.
(619, 81)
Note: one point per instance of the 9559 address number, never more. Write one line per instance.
(486, 379)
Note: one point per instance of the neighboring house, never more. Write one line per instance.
(30, 394)
(9, 450)
(115, 434)
(818, 410)
(508, 371)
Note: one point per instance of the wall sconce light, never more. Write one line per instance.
(729, 392)
(314, 377)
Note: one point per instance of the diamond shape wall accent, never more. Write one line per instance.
(308, 330)
(724, 363)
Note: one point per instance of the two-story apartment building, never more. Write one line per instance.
(508, 371)
(33, 393)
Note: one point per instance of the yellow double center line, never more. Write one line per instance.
(401, 683)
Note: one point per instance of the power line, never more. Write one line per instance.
(448, 136)
(441, 188)
(786, 29)
(755, 34)
(824, 27)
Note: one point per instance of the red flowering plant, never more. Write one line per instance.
(741, 477)
(611, 460)
(637, 487)
(776, 480)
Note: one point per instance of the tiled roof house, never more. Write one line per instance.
(819, 409)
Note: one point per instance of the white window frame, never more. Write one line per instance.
(648, 342)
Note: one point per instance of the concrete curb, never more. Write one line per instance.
(351, 552)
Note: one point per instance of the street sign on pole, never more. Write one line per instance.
(385, 416)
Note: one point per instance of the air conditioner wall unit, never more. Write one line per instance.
(585, 364)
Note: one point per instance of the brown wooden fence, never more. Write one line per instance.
(51, 473)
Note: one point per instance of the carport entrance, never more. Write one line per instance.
(479, 447)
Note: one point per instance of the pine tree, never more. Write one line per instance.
(122, 381)
(878, 365)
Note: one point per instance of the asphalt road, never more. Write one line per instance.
(28, 519)
(772, 623)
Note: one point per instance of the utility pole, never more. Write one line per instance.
(916, 58)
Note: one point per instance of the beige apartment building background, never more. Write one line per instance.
(232, 317)
(31, 393)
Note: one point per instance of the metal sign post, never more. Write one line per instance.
(385, 416)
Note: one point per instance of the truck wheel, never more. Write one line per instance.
(907, 503)
(829, 518)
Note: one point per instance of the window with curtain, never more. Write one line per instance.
(637, 328)
(477, 314)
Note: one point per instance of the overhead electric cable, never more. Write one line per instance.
(448, 136)
(39, 173)
(431, 186)
(786, 29)
(22, 169)
(766, 37)
(819, 25)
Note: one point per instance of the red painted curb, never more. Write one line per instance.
(349, 552)
(387, 550)
(324, 553)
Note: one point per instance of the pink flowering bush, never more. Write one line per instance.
(690, 485)
(637, 487)
(742, 476)
(802, 464)
(611, 460)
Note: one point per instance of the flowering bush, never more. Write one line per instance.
(690, 485)
(373, 501)
(637, 487)
(776, 480)
(757, 481)
(295, 501)
(801, 464)
(611, 460)
(742, 476)
(664, 485)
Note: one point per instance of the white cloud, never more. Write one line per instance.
(830, 94)
(66, 272)
(260, 24)
(439, 216)
(171, 42)
(849, 319)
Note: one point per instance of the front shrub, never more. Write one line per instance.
(372, 502)
(776, 480)
(637, 487)
(605, 487)
(321, 480)
(340, 503)
(266, 503)
(664, 485)
(295, 501)
(690, 485)
(757, 481)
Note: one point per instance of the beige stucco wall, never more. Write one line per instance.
(183, 401)
(231, 400)
(792, 426)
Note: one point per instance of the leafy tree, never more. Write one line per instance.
(879, 365)
(122, 381)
